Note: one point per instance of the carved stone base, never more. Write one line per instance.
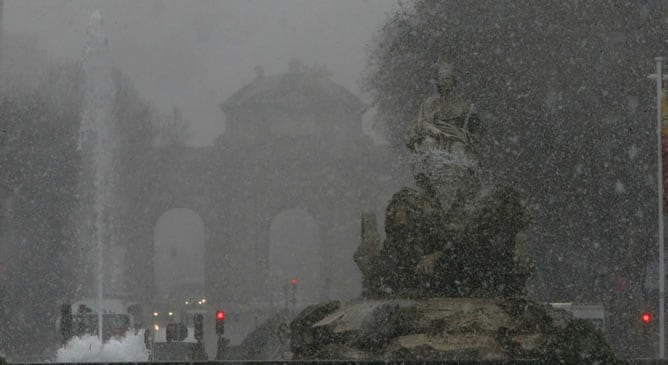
(439, 329)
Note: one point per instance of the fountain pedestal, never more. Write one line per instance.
(443, 329)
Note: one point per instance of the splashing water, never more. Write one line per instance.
(89, 349)
(97, 141)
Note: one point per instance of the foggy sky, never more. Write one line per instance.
(195, 54)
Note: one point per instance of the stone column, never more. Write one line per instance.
(339, 236)
(260, 237)
(324, 219)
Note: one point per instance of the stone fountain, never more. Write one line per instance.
(448, 282)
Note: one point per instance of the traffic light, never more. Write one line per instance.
(147, 338)
(294, 293)
(220, 322)
(199, 326)
(646, 317)
(66, 322)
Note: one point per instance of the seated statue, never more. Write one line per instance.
(444, 118)
(442, 141)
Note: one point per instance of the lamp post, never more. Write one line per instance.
(662, 274)
(2, 6)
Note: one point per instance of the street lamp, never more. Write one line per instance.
(659, 77)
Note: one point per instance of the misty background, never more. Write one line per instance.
(175, 63)
(194, 55)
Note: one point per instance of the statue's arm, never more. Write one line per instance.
(414, 132)
(425, 122)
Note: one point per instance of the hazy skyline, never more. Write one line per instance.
(195, 54)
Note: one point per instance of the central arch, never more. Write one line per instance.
(179, 253)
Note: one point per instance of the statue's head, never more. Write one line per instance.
(445, 78)
(97, 39)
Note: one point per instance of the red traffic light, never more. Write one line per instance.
(646, 317)
(220, 323)
(293, 281)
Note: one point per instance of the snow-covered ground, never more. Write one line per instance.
(89, 349)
